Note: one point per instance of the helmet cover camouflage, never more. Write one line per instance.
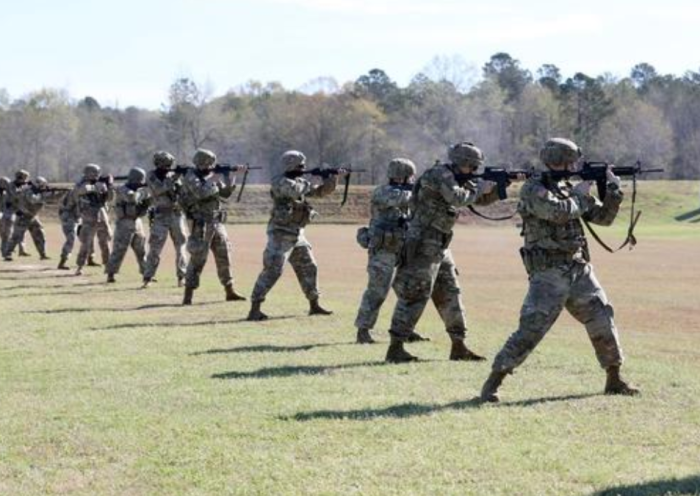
(292, 160)
(204, 159)
(559, 151)
(41, 182)
(92, 171)
(163, 160)
(4, 182)
(136, 176)
(401, 169)
(21, 175)
(465, 153)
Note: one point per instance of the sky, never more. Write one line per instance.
(128, 52)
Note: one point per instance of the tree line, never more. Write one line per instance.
(509, 111)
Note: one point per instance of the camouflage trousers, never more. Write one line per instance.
(69, 226)
(429, 272)
(208, 236)
(127, 233)
(172, 224)
(575, 288)
(283, 246)
(23, 224)
(88, 230)
(380, 268)
(7, 224)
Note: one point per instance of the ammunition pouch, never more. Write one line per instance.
(363, 237)
(537, 260)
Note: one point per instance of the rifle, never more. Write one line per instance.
(326, 172)
(499, 175)
(596, 171)
(217, 169)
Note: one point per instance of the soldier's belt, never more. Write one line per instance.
(538, 259)
(444, 239)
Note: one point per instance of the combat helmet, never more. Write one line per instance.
(136, 176)
(22, 175)
(4, 182)
(204, 159)
(163, 160)
(292, 160)
(92, 172)
(41, 182)
(465, 153)
(400, 169)
(559, 151)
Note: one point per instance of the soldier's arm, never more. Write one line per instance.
(325, 188)
(488, 198)
(456, 195)
(158, 188)
(604, 213)
(542, 203)
(291, 188)
(228, 185)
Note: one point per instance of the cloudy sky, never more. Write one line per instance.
(127, 52)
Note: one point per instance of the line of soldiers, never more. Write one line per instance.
(408, 242)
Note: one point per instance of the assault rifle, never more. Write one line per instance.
(596, 171)
(222, 169)
(502, 177)
(326, 172)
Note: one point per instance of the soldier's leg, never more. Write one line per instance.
(69, 228)
(380, 269)
(156, 241)
(306, 270)
(138, 245)
(36, 230)
(178, 233)
(198, 248)
(18, 230)
(221, 249)
(5, 232)
(104, 236)
(87, 238)
(122, 240)
(278, 249)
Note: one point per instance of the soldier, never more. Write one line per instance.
(204, 195)
(167, 218)
(70, 219)
(427, 268)
(556, 258)
(131, 204)
(7, 222)
(92, 194)
(29, 200)
(384, 240)
(285, 233)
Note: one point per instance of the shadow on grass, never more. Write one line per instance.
(37, 278)
(292, 370)
(663, 487)
(135, 325)
(407, 410)
(51, 286)
(266, 348)
(689, 215)
(29, 270)
(67, 293)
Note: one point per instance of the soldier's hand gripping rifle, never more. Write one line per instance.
(499, 175)
(223, 169)
(326, 172)
(597, 171)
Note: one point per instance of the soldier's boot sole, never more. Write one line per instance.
(111, 279)
(460, 353)
(231, 295)
(615, 385)
(62, 264)
(489, 391)
(364, 337)
(397, 354)
(255, 314)
(316, 309)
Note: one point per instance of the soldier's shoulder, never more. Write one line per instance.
(533, 188)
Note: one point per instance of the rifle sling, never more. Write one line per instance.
(345, 190)
(479, 214)
(631, 239)
(243, 182)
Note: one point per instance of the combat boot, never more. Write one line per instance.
(255, 313)
(316, 309)
(180, 282)
(414, 337)
(489, 392)
(146, 282)
(44, 256)
(110, 278)
(91, 262)
(7, 258)
(62, 264)
(615, 385)
(461, 353)
(231, 294)
(364, 337)
(23, 252)
(187, 299)
(79, 271)
(397, 354)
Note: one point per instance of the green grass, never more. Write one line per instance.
(111, 390)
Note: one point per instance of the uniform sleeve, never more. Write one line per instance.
(542, 203)
(488, 198)
(456, 195)
(604, 213)
(158, 188)
(325, 188)
(227, 186)
(291, 189)
(392, 197)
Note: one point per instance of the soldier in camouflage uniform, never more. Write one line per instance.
(556, 257)
(204, 196)
(131, 203)
(29, 200)
(7, 223)
(384, 240)
(92, 194)
(70, 219)
(285, 233)
(164, 186)
(427, 268)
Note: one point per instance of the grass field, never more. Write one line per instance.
(112, 390)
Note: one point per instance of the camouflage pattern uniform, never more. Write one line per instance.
(428, 269)
(92, 197)
(29, 200)
(556, 258)
(131, 203)
(70, 219)
(204, 196)
(168, 219)
(390, 211)
(7, 222)
(285, 231)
